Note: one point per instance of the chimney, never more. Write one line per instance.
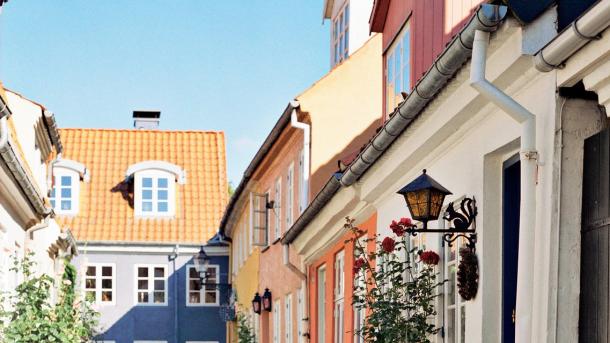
(147, 120)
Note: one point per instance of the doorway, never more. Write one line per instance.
(511, 200)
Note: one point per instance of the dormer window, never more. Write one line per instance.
(65, 190)
(155, 188)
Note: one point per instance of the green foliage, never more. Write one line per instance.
(398, 296)
(32, 317)
(245, 332)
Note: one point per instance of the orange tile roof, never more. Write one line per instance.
(104, 215)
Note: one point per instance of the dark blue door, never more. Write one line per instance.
(511, 196)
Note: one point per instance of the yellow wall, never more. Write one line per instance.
(345, 108)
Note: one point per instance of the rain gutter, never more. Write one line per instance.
(583, 30)
(487, 18)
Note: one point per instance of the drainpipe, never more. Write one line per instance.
(289, 265)
(294, 122)
(529, 155)
(29, 233)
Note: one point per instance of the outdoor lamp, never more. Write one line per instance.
(267, 300)
(202, 261)
(256, 303)
(424, 197)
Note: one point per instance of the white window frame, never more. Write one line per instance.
(288, 319)
(359, 280)
(300, 315)
(171, 193)
(339, 297)
(202, 291)
(74, 187)
(457, 328)
(340, 35)
(277, 322)
(321, 302)
(278, 208)
(98, 283)
(397, 49)
(151, 285)
(302, 186)
(289, 195)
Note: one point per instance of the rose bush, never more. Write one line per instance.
(398, 301)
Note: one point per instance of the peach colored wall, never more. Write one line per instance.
(345, 109)
(328, 259)
(272, 273)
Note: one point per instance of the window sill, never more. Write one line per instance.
(265, 248)
(276, 240)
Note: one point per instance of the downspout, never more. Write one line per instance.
(294, 122)
(29, 233)
(529, 156)
(289, 265)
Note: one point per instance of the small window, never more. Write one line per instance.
(398, 69)
(154, 194)
(100, 283)
(197, 295)
(65, 191)
(151, 285)
(340, 36)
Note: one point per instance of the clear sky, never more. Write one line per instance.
(208, 65)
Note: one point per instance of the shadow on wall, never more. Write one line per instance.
(169, 323)
(320, 176)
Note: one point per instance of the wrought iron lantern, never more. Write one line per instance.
(256, 303)
(425, 196)
(202, 262)
(267, 300)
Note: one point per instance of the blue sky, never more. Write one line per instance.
(207, 65)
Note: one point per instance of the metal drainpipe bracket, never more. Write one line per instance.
(530, 155)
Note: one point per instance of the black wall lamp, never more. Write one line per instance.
(425, 196)
(256, 303)
(267, 300)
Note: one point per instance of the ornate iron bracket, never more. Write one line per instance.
(462, 223)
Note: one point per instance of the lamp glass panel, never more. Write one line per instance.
(418, 204)
(436, 203)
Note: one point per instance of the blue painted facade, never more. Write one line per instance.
(125, 321)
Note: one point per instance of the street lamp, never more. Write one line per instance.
(424, 197)
(202, 262)
(256, 303)
(267, 300)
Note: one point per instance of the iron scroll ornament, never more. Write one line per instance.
(462, 222)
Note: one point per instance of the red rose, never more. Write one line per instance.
(397, 229)
(358, 264)
(388, 244)
(429, 257)
(406, 221)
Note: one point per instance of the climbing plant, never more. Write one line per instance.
(245, 332)
(29, 315)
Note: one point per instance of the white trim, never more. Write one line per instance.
(202, 291)
(148, 249)
(74, 187)
(155, 176)
(75, 166)
(151, 285)
(288, 319)
(98, 283)
(277, 321)
(179, 173)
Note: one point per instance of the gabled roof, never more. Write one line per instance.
(105, 212)
(378, 15)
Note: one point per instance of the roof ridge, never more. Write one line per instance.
(140, 130)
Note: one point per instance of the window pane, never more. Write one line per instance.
(162, 195)
(66, 181)
(147, 194)
(147, 206)
(107, 283)
(146, 182)
(159, 297)
(194, 297)
(106, 296)
(162, 182)
(53, 192)
(451, 285)
(142, 284)
(450, 335)
(193, 273)
(90, 283)
(53, 203)
(195, 285)
(159, 272)
(91, 270)
(66, 204)
(66, 193)
(142, 297)
(162, 206)
(463, 324)
(106, 271)
(159, 285)
(143, 272)
(210, 297)
(90, 296)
